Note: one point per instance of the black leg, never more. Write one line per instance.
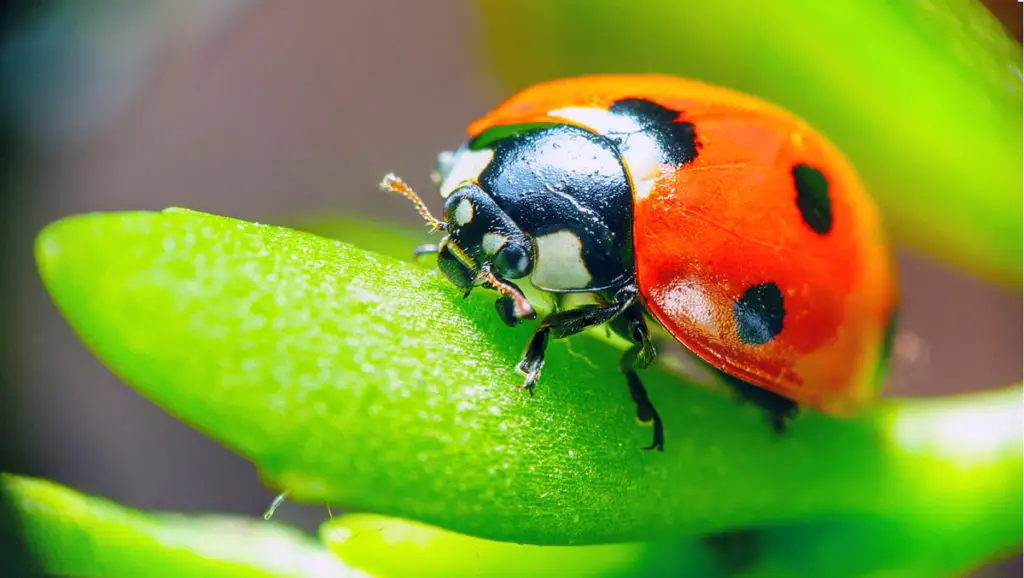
(562, 324)
(631, 325)
(533, 358)
(512, 306)
(781, 410)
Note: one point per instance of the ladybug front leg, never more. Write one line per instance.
(562, 324)
(512, 306)
(633, 327)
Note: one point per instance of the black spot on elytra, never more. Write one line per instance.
(812, 198)
(676, 139)
(759, 314)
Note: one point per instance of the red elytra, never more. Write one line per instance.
(730, 226)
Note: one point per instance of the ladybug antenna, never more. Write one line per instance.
(394, 184)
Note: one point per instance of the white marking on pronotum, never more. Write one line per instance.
(559, 263)
(493, 242)
(463, 212)
(643, 159)
(465, 166)
(600, 120)
(640, 152)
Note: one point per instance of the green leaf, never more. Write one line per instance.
(87, 537)
(398, 548)
(850, 548)
(368, 382)
(858, 547)
(924, 97)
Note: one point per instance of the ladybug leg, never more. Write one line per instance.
(781, 410)
(632, 326)
(562, 324)
(533, 358)
(512, 306)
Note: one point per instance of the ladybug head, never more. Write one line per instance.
(481, 237)
(482, 240)
(484, 246)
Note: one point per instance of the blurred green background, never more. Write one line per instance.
(923, 97)
(269, 111)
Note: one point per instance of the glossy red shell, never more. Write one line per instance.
(711, 229)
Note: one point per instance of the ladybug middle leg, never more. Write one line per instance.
(632, 326)
(624, 314)
(565, 323)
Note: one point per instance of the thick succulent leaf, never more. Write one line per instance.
(362, 380)
(399, 548)
(79, 536)
(924, 97)
(848, 548)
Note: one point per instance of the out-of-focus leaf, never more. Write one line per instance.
(856, 547)
(399, 548)
(87, 537)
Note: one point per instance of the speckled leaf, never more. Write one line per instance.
(368, 382)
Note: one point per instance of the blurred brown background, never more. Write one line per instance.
(260, 110)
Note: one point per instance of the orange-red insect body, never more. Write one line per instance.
(731, 222)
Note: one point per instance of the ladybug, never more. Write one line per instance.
(725, 219)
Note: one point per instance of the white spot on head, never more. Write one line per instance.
(640, 152)
(466, 165)
(688, 297)
(559, 263)
(463, 212)
(493, 242)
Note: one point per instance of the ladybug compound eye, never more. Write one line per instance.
(513, 259)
